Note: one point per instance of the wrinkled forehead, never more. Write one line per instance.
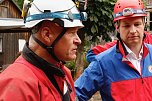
(73, 29)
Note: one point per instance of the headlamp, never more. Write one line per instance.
(129, 11)
(81, 4)
(84, 16)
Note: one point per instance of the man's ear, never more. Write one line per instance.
(46, 34)
(116, 27)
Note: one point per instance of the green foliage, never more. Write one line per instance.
(71, 66)
(100, 18)
(19, 3)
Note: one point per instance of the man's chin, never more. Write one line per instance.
(71, 58)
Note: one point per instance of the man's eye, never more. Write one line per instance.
(72, 32)
(126, 25)
(137, 24)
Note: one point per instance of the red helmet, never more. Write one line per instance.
(128, 8)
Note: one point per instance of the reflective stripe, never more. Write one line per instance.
(59, 15)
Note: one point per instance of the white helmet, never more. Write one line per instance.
(65, 10)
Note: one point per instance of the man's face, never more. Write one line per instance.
(67, 46)
(131, 31)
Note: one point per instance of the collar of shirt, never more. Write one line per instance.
(133, 59)
(132, 55)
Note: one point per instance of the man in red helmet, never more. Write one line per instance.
(123, 72)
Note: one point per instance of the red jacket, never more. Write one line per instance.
(22, 81)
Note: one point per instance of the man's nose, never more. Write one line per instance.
(132, 29)
(77, 40)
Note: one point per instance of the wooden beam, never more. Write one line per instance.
(14, 30)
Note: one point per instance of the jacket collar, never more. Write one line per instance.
(37, 61)
(121, 50)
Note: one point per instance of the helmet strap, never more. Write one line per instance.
(50, 49)
(123, 46)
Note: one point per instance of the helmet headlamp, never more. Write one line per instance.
(129, 12)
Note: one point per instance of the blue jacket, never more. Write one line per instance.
(116, 78)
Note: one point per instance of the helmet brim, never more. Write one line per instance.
(67, 23)
(124, 17)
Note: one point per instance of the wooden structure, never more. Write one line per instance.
(9, 39)
(149, 15)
